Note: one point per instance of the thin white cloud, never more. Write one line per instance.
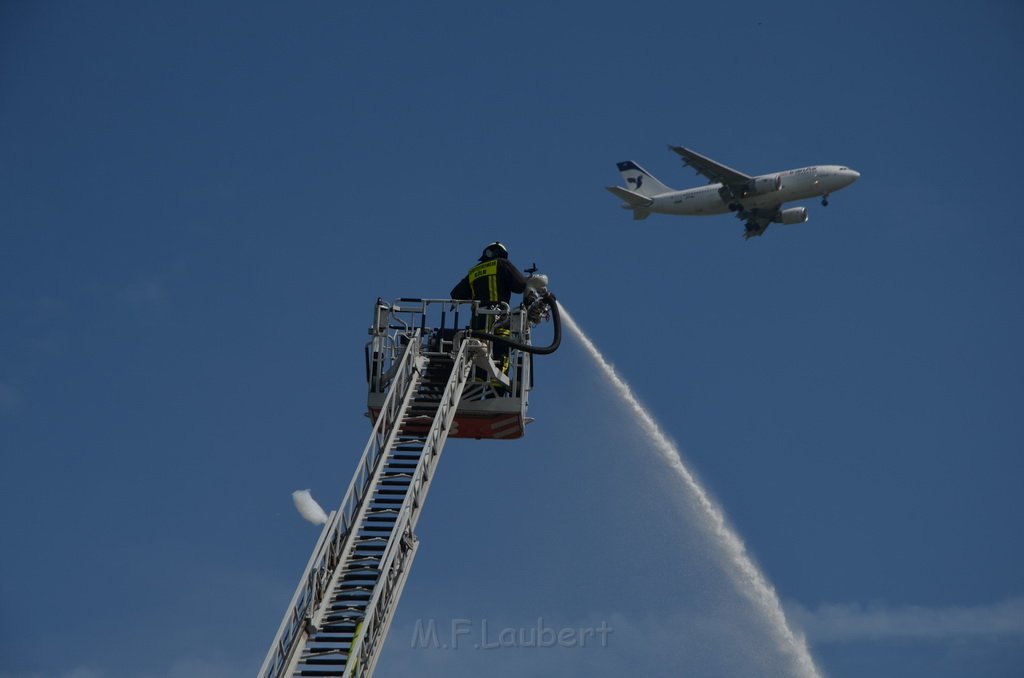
(715, 641)
(144, 293)
(84, 672)
(183, 668)
(877, 621)
(79, 672)
(202, 668)
(10, 399)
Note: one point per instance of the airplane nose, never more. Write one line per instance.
(854, 175)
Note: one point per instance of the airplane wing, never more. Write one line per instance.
(714, 171)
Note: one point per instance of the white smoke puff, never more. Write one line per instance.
(308, 507)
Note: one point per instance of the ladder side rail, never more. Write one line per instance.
(438, 435)
(326, 555)
(295, 613)
(397, 559)
(389, 441)
(400, 575)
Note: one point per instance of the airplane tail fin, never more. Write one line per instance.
(640, 180)
(640, 204)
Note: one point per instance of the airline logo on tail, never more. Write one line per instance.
(639, 180)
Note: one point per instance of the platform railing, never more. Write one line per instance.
(438, 321)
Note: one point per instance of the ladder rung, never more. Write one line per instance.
(327, 661)
(311, 659)
(371, 540)
(339, 600)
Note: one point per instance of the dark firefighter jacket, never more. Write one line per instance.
(491, 281)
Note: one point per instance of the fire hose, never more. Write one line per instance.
(544, 297)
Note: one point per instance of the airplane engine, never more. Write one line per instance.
(793, 215)
(762, 185)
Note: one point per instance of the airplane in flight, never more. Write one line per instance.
(757, 201)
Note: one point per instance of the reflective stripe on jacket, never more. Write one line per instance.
(483, 281)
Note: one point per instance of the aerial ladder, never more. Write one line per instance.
(431, 377)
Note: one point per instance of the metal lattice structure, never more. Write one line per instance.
(428, 382)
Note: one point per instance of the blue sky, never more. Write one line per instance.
(199, 203)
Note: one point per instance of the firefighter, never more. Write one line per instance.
(491, 282)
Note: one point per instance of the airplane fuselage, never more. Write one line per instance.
(797, 184)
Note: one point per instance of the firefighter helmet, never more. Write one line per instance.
(494, 251)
